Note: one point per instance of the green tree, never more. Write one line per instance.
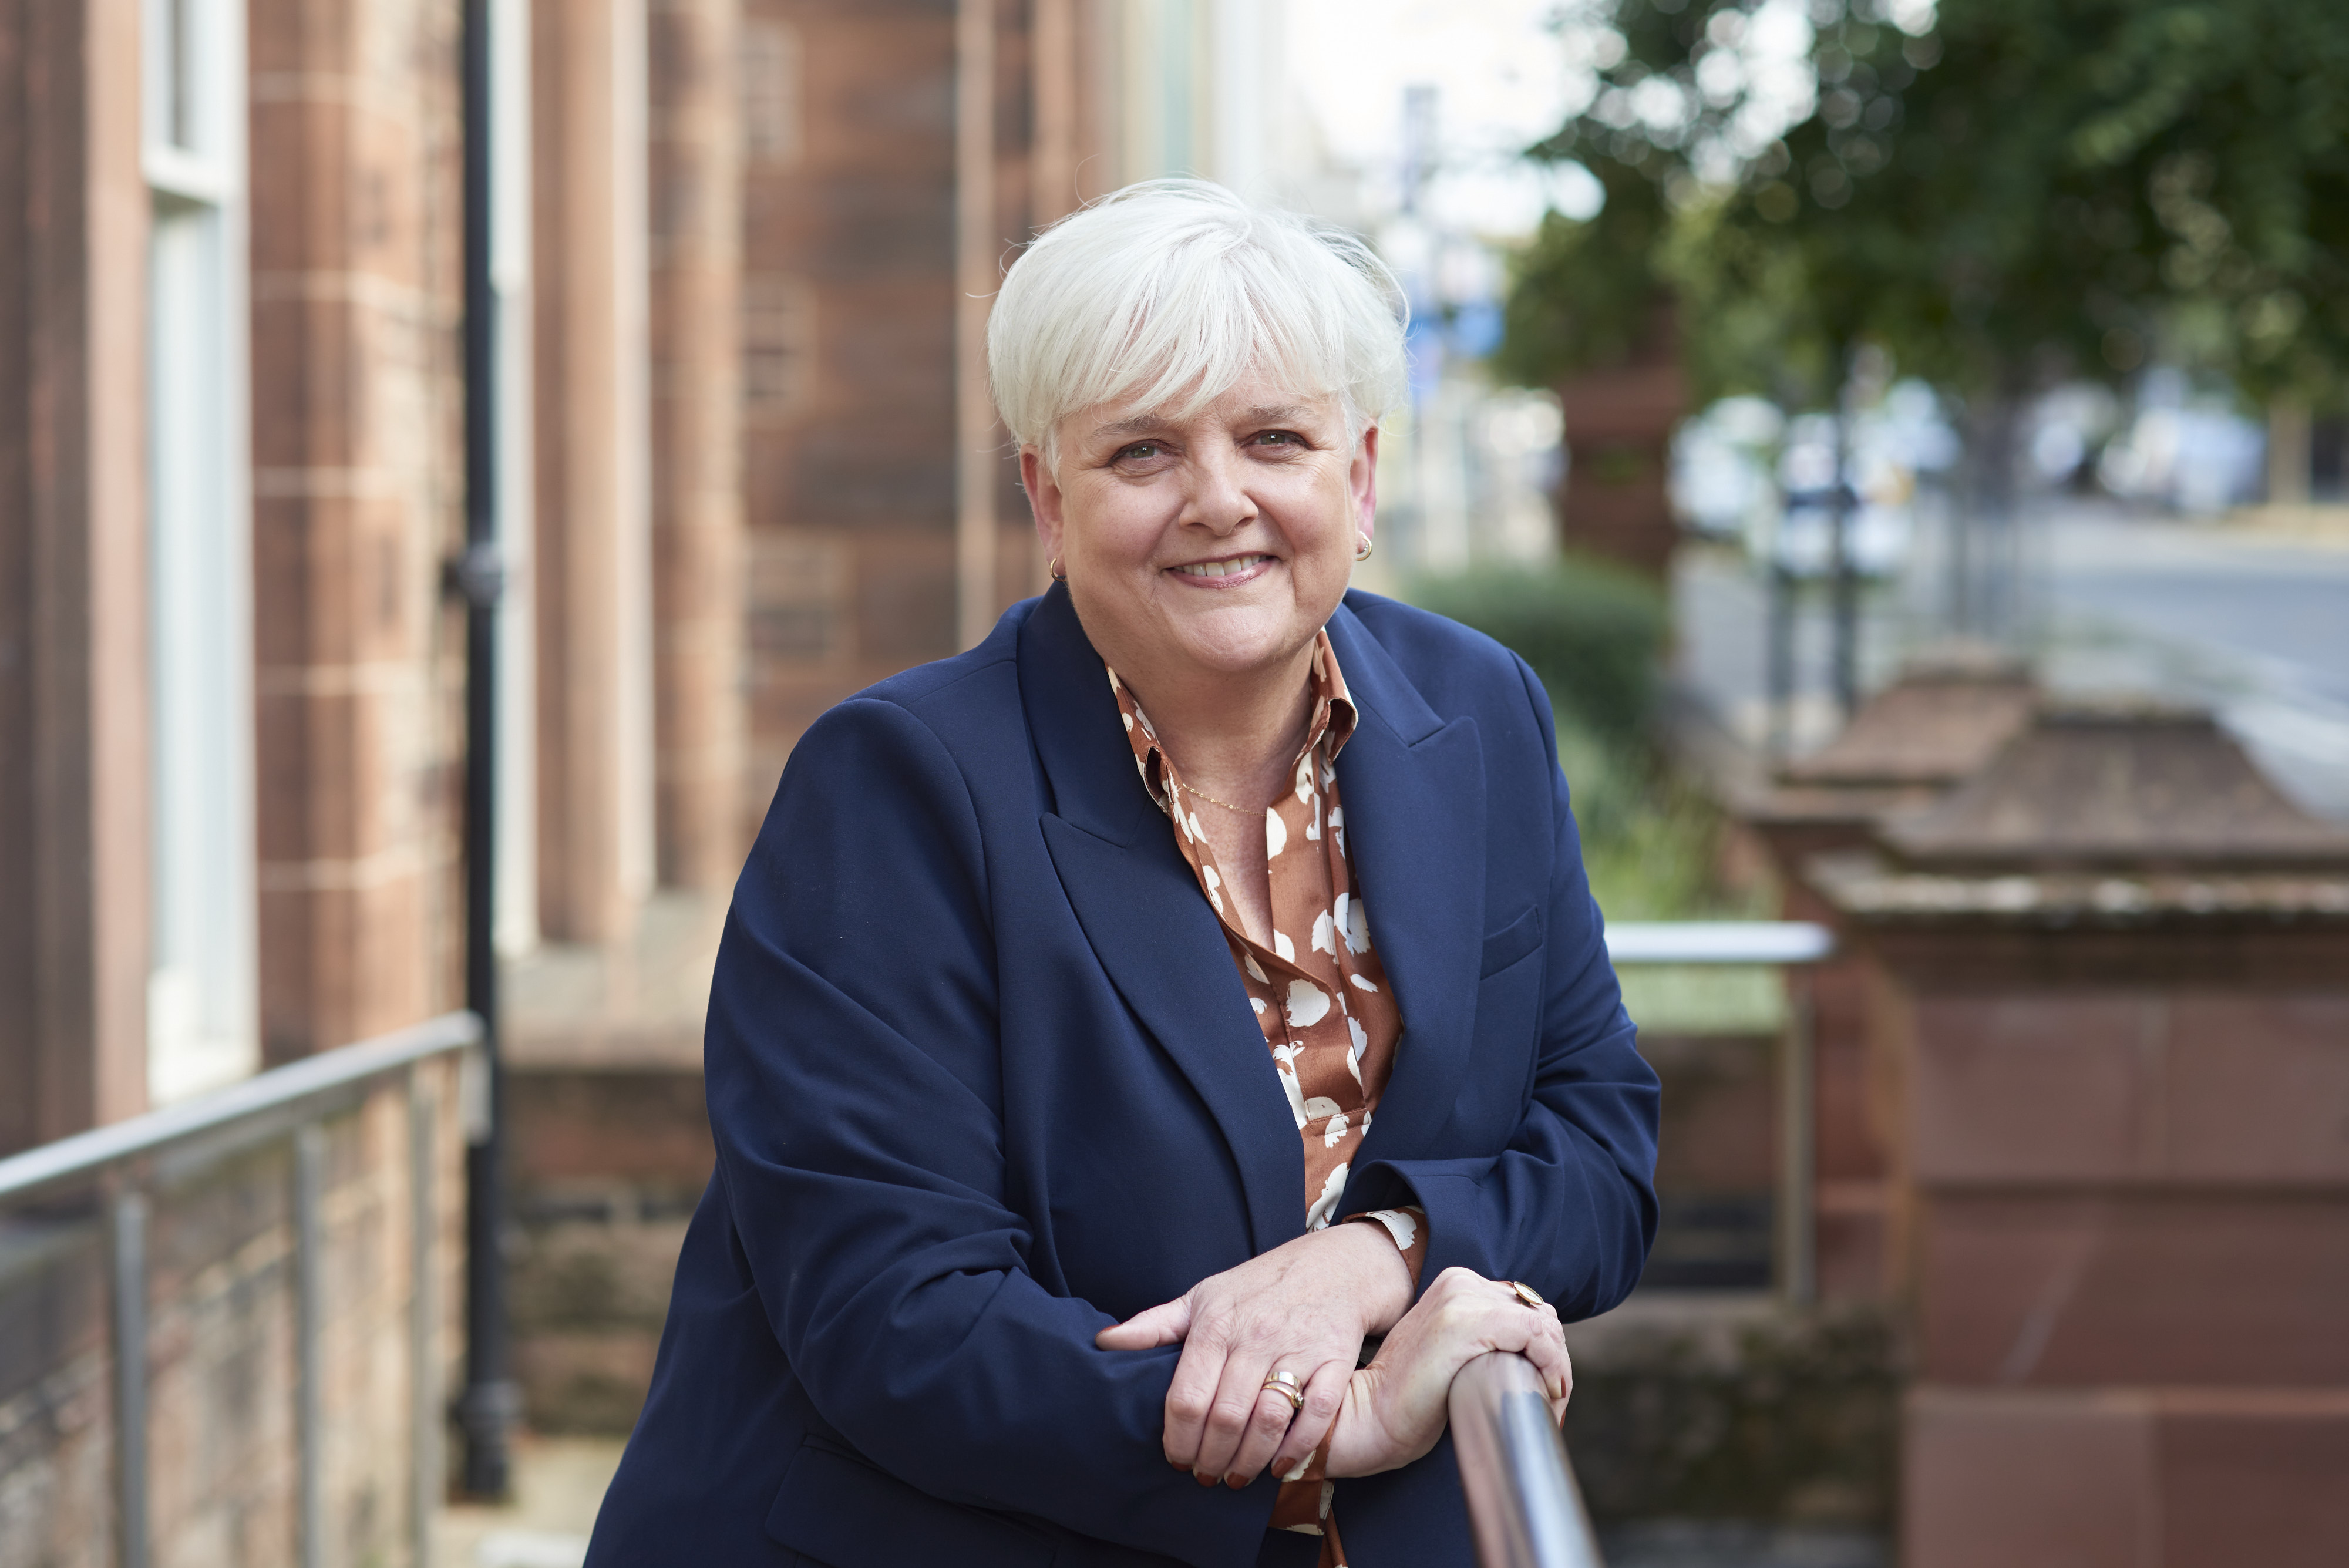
(2014, 191)
(2001, 193)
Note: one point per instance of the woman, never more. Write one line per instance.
(1121, 1024)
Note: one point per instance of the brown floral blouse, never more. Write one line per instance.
(1318, 991)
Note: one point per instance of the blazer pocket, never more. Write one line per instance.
(835, 1509)
(1512, 942)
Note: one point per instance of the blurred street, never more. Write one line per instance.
(2203, 612)
(2252, 624)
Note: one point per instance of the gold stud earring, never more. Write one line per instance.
(1364, 553)
(1058, 574)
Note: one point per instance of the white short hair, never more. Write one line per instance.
(1169, 292)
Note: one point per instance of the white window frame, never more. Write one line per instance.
(202, 1002)
(515, 920)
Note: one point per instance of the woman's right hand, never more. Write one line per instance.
(1394, 1408)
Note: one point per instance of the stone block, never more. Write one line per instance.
(2253, 1479)
(1849, 1241)
(2134, 1288)
(2209, 1086)
(2136, 1478)
(646, 1131)
(2257, 1087)
(2005, 1480)
(585, 1380)
(1719, 1118)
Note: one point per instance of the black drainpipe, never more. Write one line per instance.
(491, 1401)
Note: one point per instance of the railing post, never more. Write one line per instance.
(127, 1237)
(1523, 1504)
(1797, 1225)
(424, 1391)
(309, 1414)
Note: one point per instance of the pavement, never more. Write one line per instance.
(558, 1485)
(2252, 625)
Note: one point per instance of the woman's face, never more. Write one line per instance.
(1209, 547)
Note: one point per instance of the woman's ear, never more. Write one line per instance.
(1363, 483)
(1043, 498)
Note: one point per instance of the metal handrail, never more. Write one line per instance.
(1786, 944)
(1523, 1504)
(290, 1102)
(279, 1089)
(1719, 941)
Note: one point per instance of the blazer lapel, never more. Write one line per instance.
(1142, 910)
(1414, 791)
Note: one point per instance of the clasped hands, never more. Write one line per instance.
(1305, 1308)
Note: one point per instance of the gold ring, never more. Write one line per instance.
(1526, 1294)
(1284, 1384)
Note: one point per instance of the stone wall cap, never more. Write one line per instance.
(2121, 785)
(1872, 890)
(1941, 722)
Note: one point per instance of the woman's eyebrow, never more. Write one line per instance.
(1139, 424)
(1151, 424)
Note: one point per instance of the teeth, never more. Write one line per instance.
(1221, 568)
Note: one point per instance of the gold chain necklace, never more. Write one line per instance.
(1211, 800)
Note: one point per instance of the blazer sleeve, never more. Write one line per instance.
(1568, 1206)
(854, 1076)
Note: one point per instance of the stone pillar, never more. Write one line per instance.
(594, 571)
(848, 344)
(2117, 992)
(1616, 500)
(696, 445)
(358, 503)
(1937, 726)
(73, 601)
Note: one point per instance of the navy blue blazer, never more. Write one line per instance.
(983, 1081)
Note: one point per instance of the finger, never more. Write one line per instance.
(1164, 1323)
(1236, 1408)
(1267, 1427)
(1324, 1391)
(1548, 1354)
(1190, 1397)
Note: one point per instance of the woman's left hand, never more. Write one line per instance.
(1304, 1308)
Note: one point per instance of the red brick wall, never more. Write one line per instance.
(358, 501)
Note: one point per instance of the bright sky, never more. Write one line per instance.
(1507, 74)
(1502, 78)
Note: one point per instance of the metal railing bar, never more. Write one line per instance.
(1797, 1223)
(1719, 941)
(424, 1394)
(84, 1153)
(309, 1393)
(128, 1286)
(1523, 1504)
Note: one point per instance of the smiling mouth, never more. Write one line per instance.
(1230, 569)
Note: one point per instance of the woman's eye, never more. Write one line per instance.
(1278, 438)
(1145, 449)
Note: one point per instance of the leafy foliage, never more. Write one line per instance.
(1583, 294)
(1591, 629)
(2018, 190)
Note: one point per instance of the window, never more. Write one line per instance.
(778, 346)
(771, 93)
(201, 1012)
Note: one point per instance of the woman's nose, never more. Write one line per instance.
(1219, 500)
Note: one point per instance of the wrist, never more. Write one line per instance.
(1381, 1276)
(1359, 1443)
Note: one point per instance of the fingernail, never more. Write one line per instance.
(1237, 1482)
(1202, 1478)
(1178, 1464)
